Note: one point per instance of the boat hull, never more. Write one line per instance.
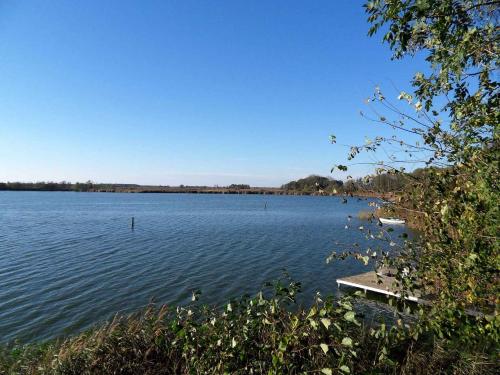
(391, 221)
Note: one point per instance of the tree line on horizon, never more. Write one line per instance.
(91, 186)
(46, 186)
(382, 183)
(378, 183)
(60, 186)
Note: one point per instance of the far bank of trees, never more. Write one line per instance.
(45, 186)
(379, 184)
(61, 186)
(313, 184)
(90, 186)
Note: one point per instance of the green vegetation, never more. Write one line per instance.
(44, 186)
(376, 184)
(90, 186)
(63, 186)
(260, 335)
(453, 130)
(455, 261)
(257, 334)
(381, 183)
(313, 184)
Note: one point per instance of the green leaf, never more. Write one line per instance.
(326, 371)
(312, 312)
(282, 346)
(350, 316)
(345, 369)
(275, 360)
(347, 341)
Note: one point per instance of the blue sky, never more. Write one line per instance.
(186, 92)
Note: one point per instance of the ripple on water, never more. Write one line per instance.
(68, 261)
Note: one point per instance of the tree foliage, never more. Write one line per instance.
(312, 184)
(452, 128)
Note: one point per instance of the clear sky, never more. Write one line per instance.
(185, 92)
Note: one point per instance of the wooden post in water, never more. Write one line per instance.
(132, 223)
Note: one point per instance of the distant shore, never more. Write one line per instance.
(128, 188)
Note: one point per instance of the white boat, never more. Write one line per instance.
(391, 220)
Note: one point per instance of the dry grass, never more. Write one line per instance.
(366, 215)
(440, 359)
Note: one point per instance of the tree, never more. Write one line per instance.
(453, 131)
(313, 184)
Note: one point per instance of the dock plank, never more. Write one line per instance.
(369, 281)
(382, 284)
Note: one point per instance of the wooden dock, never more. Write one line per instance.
(381, 282)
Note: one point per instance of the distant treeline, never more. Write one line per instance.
(378, 184)
(62, 186)
(311, 185)
(90, 186)
(383, 183)
(314, 184)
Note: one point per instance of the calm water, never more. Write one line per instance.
(70, 260)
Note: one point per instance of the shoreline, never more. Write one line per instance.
(207, 190)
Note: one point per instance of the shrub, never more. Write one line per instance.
(249, 335)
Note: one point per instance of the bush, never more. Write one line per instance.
(250, 335)
(260, 335)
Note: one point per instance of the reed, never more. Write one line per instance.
(366, 215)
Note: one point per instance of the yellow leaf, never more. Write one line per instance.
(324, 347)
(326, 322)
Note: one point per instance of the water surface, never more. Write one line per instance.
(69, 260)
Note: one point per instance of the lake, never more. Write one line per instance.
(70, 260)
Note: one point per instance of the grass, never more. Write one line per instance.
(366, 215)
